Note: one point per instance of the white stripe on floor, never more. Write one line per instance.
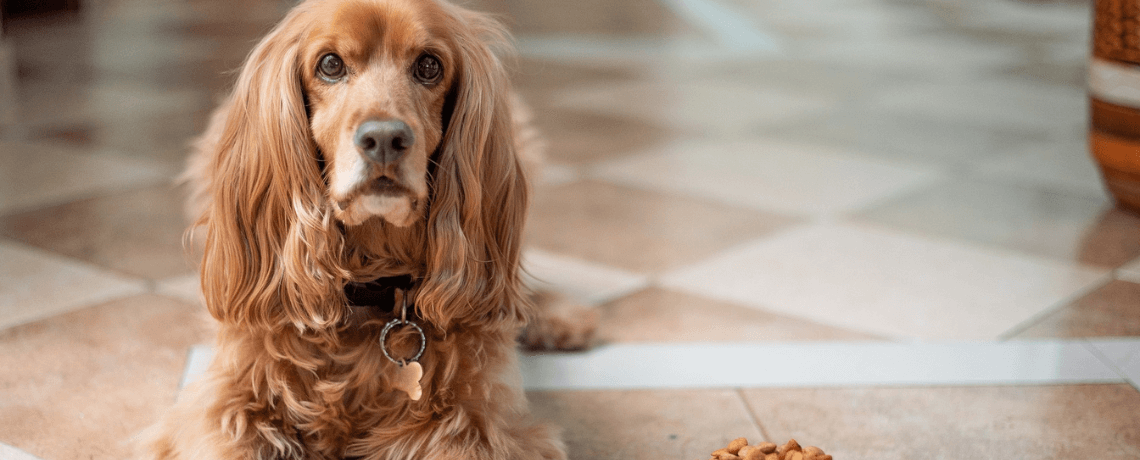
(11, 453)
(660, 366)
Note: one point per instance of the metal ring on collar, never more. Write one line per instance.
(384, 336)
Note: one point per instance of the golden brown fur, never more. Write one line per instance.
(297, 375)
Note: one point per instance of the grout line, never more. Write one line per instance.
(752, 415)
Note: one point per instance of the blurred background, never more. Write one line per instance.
(871, 225)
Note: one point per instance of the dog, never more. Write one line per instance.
(362, 193)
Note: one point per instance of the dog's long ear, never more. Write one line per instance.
(479, 200)
(270, 256)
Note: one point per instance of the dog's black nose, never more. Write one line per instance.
(384, 141)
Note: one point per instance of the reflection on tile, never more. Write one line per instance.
(35, 284)
(638, 230)
(1038, 422)
(787, 178)
(137, 232)
(901, 139)
(33, 174)
(1011, 103)
(583, 281)
(697, 106)
(681, 424)
(727, 365)
(1033, 220)
(661, 315)
(89, 380)
(887, 283)
(935, 56)
(1112, 310)
(1065, 165)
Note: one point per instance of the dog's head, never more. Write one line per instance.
(386, 115)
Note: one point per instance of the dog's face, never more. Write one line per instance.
(376, 78)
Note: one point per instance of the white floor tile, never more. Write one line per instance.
(990, 102)
(1130, 272)
(1063, 165)
(185, 287)
(36, 284)
(647, 366)
(698, 106)
(782, 177)
(887, 283)
(582, 281)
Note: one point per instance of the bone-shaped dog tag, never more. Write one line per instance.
(408, 379)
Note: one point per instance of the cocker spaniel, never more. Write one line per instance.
(363, 192)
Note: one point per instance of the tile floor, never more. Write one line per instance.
(870, 225)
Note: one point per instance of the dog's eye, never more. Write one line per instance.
(428, 69)
(331, 67)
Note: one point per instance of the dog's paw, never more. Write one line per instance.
(560, 325)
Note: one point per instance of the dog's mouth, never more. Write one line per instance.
(383, 197)
(384, 186)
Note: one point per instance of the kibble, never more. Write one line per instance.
(739, 449)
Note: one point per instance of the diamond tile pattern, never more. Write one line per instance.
(800, 175)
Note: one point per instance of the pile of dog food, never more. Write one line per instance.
(739, 449)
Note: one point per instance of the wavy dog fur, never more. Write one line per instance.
(297, 375)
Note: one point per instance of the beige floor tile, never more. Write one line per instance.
(661, 315)
(538, 79)
(637, 230)
(138, 232)
(583, 137)
(1031, 423)
(797, 179)
(35, 284)
(80, 385)
(1112, 310)
(644, 425)
(887, 283)
(37, 175)
(1033, 220)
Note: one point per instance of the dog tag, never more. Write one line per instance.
(408, 379)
